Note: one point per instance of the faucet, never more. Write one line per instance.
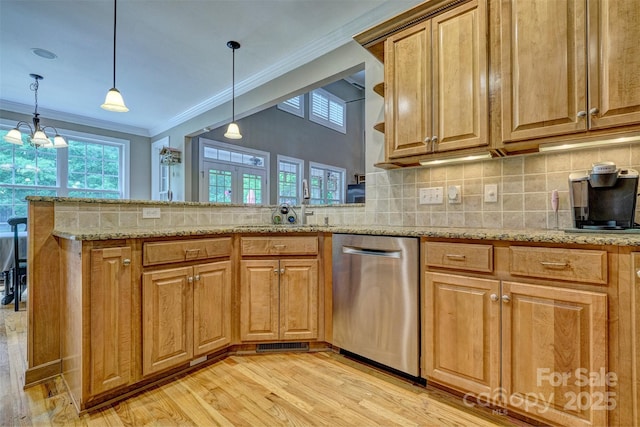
(304, 213)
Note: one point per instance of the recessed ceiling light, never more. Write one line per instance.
(43, 53)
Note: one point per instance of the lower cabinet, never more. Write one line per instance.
(111, 357)
(279, 299)
(186, 313)
(533, 348)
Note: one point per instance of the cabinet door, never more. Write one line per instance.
(408, 99)
(460, 106)
(167, 324)
(299, 299)
(555, 340)
(543, 65)
(259, 300)
(614, 62)
(461, 345)
(211, 307)
(110, 328)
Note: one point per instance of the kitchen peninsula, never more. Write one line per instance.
(120, 305)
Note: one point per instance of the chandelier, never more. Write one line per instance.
(38, 136)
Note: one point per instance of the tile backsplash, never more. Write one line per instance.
(524, 186)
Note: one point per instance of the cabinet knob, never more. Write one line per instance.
(434, 139)
(275, 271)
(126, 261)
(494, 297)
(506, 299)
(190, 279)
(197, 277)
(638, 273)
(582, 114)
(594, 111)
(282, 271)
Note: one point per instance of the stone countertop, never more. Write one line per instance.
(531, 236)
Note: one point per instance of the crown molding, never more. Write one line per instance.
(73, 118)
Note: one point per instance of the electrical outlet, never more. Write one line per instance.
(431, 195)
(491, 193)
(150, 212)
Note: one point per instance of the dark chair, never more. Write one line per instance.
(18, 272)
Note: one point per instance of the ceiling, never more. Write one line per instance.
(172, 59)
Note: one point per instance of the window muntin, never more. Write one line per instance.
(290, 172)
(326, 184)
(95, 169)
(328, 110)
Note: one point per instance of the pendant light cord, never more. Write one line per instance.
(115, 18)
(233, 85)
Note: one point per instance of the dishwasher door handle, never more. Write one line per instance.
(352, 250)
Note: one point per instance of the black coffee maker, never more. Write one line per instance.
(604, 198)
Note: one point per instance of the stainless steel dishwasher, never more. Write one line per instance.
(376, 299)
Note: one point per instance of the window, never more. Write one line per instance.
(327, 184)
(328, 110)
(233, 175)
(293, 105)
(92, 166)
(290, 172)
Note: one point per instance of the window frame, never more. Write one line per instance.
(299, 178)
(288, 108)
(327, 168)
(327, 122)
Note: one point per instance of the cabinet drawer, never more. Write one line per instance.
(185, 250)
(279, 245)
(462, 256)
(580, 265)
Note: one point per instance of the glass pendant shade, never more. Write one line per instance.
(59, 142)
(14, 137)
(114, 102)
(39, 138)
(233, 132)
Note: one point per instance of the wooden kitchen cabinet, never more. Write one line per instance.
(436, 84)
(186, 314)
(111, 349)
(569, 67)
(279, 296)
(461, 345)
(512, 334)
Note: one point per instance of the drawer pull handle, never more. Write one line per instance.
(279, 246)
(456, 257)
(552, 264)
(191, 252)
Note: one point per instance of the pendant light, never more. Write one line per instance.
(233, 132)
(113, 100)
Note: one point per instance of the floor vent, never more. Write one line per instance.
(285, 346)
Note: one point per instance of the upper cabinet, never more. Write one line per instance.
(568, 67)
(436, 84)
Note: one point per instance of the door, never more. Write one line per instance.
(226, 183)
(110, 328)
(167, 324)
(614, 62)
(543, 66)
(211, 307)
(298, 299)
(259, 300)
(461, 344)
(460, 102)
(552, 339)
(408, 99)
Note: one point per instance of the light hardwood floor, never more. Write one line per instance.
(302, 389)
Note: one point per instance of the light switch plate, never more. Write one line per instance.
(431, 195)
(150, 212)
